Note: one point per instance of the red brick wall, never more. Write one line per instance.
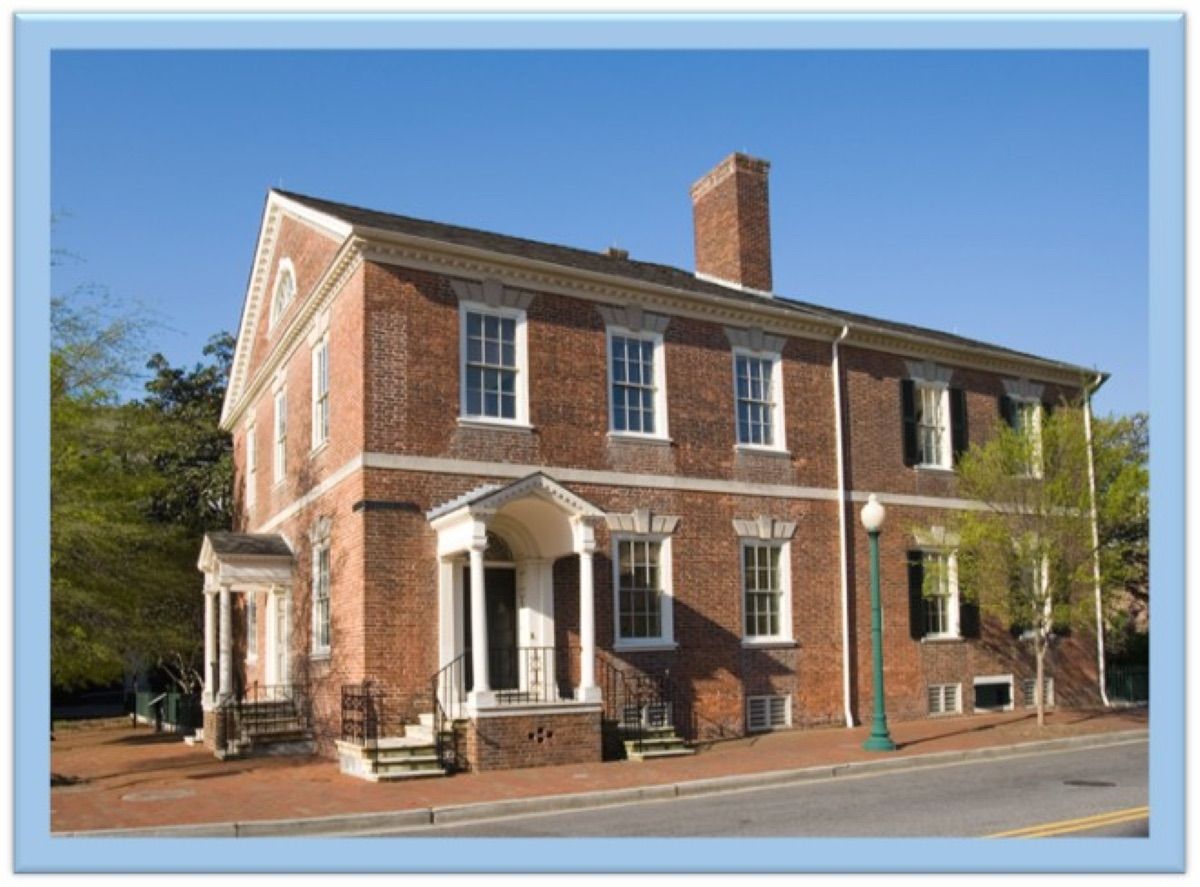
(533, 740)
(398, 330)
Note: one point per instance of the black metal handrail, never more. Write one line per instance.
(265, 708)
(449, 697)
(638, 702)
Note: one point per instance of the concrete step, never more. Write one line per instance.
(425, 719)
(419, 762)
(405, 774)
(648, 754)
(412, 753)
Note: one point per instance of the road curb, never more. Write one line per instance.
(359, 823)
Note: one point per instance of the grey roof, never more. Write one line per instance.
(249, 544)
(645, 272)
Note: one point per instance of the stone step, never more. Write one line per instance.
(416, 762)
(649, 754)
(412, 753)
(261, 736)
(425, 719)
(404, 774)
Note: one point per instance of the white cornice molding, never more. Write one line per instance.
(340, 270)
(256, 290)
(477, 265)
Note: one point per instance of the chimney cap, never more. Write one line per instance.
(615, 252)
(735, 162)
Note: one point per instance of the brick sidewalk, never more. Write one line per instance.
(130, 778)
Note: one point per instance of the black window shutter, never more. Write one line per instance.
(968, 619)
(1008, 411)
(908, 404)
(916, 595)
(958, 421)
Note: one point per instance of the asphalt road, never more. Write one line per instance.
(1088, 792)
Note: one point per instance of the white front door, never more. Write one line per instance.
(277, 635)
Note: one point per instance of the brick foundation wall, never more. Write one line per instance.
(533, 739)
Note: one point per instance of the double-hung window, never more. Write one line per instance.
(642, 569)
(1027, 421)
(251, 467)
(758, 384)
(251, 626)
(280, 442)
(637, 391)
(320, 597)
(494, 383)
(764, 583)
(941, 599)
(933, 594)
(933, 426)
(320, 393)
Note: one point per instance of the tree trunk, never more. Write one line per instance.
(1038, 695)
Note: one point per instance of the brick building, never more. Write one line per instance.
(638, 485)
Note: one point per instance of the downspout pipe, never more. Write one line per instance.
(1087, 424)
(842, 540)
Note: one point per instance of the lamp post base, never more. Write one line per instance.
(879, 743)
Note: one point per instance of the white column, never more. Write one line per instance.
(225, 669)
(481, 688)
(585, 545)
(210, 647)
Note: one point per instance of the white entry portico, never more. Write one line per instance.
(243, 563)
(531, 523)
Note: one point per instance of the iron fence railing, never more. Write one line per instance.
(1127, 683)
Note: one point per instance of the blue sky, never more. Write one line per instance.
(999, 195)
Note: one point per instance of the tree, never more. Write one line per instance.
(133, 484)
(1025, 555)
(1121, 445)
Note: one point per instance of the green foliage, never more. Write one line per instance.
(133, 484)
(1122, 445)
(1026, 555)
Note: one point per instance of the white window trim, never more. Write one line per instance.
(785, 635)
(947, 433)
(957, 710)
(251, 491)
(777, 416)
(251, 627)
(987, 680)
(319, 442)
(954, 614)
(522, 386)
(662, 429)
(279, 437)
(277, 310)
(320, 651)
(666, 640)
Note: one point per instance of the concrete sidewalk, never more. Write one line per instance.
(117, 780)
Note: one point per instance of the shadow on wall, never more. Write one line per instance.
(708, 683)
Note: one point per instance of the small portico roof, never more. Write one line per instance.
(536, 515)
(245, 559)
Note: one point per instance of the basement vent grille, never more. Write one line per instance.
(1047, 691)
(768, 713)
(945, 699)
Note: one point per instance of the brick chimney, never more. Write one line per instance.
(733, 224)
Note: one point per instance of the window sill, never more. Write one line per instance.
(762, 451)
(319, 449)
(319, 656)
(935, 469)
(494, 425)
(943, 639)
(648, 647)
(768, 644)
(631, 437)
